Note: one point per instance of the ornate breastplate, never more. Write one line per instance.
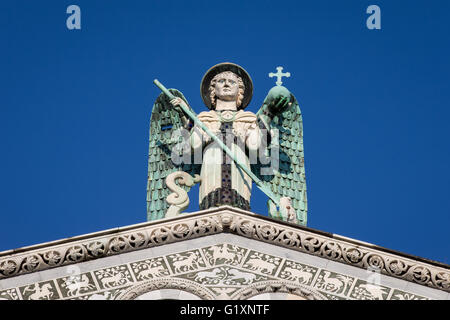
(227, 116)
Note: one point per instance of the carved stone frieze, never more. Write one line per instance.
(218, 220)
(218, 271)
(359, 255)
(69, 252)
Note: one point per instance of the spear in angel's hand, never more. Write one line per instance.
(200, 124)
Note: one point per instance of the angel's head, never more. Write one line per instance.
(227, 86)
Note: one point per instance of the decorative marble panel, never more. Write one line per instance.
(224, 254)
(297, 272)
(104, 295)
(75, 285)
(224, 271)
(40, 291)
(186, 261)
(113, 277)
(9, 294)
(261, 262)
(226, 276)
(401, 295)
(224, 220)
(150, 269)
(368, 291)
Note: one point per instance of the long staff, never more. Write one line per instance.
(200, 124)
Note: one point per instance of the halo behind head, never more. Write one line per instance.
(222, 67)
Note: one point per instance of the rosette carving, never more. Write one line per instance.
(118, 244)
(207, 226)
(137, 240)
(267, 232)
(244, 227)
(396, 267)
(75, 254)
(373, 261)
(181, 231)
(289, 239)
(96, 249)
(442, 280)
(312, 244)
(419, 274)
(353, 255)
(8, 267)
(159, 235)
(331, 250)
(31, 263)
(52, 258)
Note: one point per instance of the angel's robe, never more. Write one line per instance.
(222, 181)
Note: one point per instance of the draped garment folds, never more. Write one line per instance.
(222, 181)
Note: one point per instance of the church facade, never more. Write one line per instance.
(224, 251)
(221, 253)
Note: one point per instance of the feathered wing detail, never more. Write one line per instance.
(289, 179)
(165, 120)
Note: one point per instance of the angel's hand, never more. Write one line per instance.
(279, 105)
(177, 102)
(278, 100)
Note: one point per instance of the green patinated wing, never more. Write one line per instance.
(164, 121)
(289, 180)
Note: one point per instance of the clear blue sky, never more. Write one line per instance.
(75, 109)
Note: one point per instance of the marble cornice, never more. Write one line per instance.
(218, 220)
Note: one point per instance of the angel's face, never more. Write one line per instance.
(227, 87)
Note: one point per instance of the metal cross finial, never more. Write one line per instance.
(279, 75)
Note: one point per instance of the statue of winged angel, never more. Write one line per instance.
(226, 149)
